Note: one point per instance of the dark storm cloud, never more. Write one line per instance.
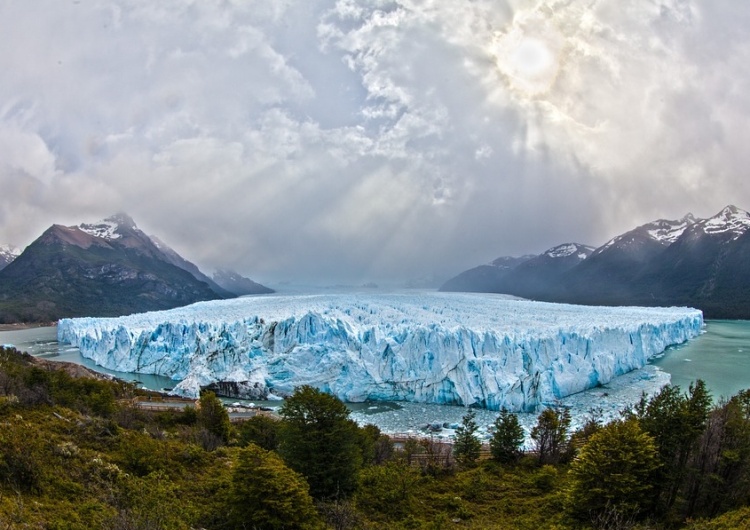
(352, 140)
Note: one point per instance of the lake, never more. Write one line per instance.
(720, 356)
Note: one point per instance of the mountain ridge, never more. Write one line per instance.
(107, 268)
(689, 261)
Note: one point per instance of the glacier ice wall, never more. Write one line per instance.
(450, 348)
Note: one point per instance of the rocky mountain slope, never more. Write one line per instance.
(237, 284)
(696, 262)
(108, 268)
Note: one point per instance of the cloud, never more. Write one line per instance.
(349, 140)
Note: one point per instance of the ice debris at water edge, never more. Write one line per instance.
(489, 351)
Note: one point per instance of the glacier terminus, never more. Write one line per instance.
(484, 350)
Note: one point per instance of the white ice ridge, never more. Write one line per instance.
(449, 348)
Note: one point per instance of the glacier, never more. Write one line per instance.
(483, 350)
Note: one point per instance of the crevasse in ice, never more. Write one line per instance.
(484, 350)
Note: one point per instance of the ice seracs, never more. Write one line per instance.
(449, 348)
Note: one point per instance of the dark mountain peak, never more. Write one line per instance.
(662, 232)
(510, 262)
(569, 249)
(238, 284)
(106, 268)
(70, 235)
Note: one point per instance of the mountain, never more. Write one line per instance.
(540, 275)
(609, 274)
(707, 266)
(238, 285)
(689, 261)
(7, 254)
(485, 278)
(108, 268)
(171, 256)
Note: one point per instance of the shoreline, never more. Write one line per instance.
(25, 325)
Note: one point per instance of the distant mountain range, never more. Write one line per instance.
(239, 285)
(701, 263)
(109, 268)
(7, 254)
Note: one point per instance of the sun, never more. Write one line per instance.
(529, 54)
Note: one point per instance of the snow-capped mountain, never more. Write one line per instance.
(7, 254)
(688, 261)
(729, 224)
(663, 232)
(107, 268)
(566, 250)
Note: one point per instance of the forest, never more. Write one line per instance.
(78, 453)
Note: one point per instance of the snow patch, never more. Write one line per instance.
(102, 229)
(730, 219)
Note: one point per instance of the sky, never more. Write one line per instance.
(347, 141)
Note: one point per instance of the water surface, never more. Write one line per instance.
(720, 356)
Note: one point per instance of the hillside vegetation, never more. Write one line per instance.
(76, 453)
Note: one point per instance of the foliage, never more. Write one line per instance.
(550, 434)
(386, 493)
(507, 440)
(466, 445)
(676, 422)
(734, 520)
(320, 441)
(21, 457)
(260, 430)
(68, 463)
(266, 494)
(213, 417)
(721, 462)
(376, 447)
(614, 469)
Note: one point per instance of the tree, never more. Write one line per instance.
(613, 471)
(722, 463)
(507, 439)
(260, 430)
(213, 417)
(376, 447)
(466, 445)
(550, 434)
(266, 494)
(319, 440)
(676, 422)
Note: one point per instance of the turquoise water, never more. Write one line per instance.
(720, 356)
(42, 342)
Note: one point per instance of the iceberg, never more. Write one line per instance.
(482, 350)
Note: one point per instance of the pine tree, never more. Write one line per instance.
(466, 446)
(507, 439)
